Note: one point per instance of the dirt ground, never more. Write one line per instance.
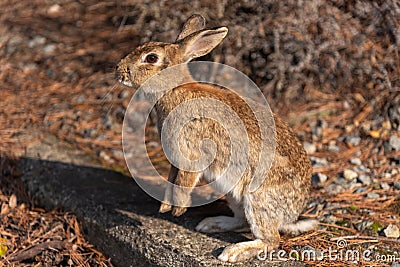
(330, 68)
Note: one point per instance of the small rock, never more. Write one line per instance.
(364, 179)
(319, 162)
(385, 186)
(49, 49)
(341, 181)
(395, 264)
(397, 185)
(392, 231)
(80, 99)
(355, 161)
(12, 202)
(334, 148)
(361, 190)
(373, 195)
(334, 189)
(13, 44)
(118, 153)
(318, 179)
(353, 139)
(394, 143)
(124, 94)
(349, 174)
(309, 147)
(54, 9)
(363, 168)
(36, 41)
(106, 157)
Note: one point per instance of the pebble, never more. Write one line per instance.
(392, 231)
(54, 9)
(364, 179)
(394, 143)
(349, 174)
(106, 157)
(334, 148)
(124, 94)
(12, 202)
(397, 185)
(118, 153)
(356, 161)
(309, 147)
(373, 195)
(49, 49)
(36, 41)
(80, 99)
(385, 186)
(318, 179)
(353, 139)
(319, 162)
(361, 190)
(341, 181)
(334, 189)
(13, 44)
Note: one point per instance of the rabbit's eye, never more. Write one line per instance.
(151, 58)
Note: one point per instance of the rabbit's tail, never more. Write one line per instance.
(298, 227)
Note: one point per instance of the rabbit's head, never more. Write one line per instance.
(152, 57)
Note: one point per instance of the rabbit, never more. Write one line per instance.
(271, 209)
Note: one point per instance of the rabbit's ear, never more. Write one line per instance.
(193, 24)
(201, 43)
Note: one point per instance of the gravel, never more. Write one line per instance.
(364, 179)
(319, 179)
(353, 140)
(349, 174)
(397, 185)
(392, 231)
(309, 147)
(319, 162)
(385, 186)
(394, 143)
(355, 161)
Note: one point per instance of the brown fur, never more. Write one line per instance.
(283, 194)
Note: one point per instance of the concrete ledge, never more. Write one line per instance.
(122, 221)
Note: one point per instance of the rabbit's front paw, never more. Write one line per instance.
(178, 211)
(165, 207)
(221, 224)
(242, 251)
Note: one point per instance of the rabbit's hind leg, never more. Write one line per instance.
(264, 221)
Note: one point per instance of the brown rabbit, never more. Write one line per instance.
(277, 203)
